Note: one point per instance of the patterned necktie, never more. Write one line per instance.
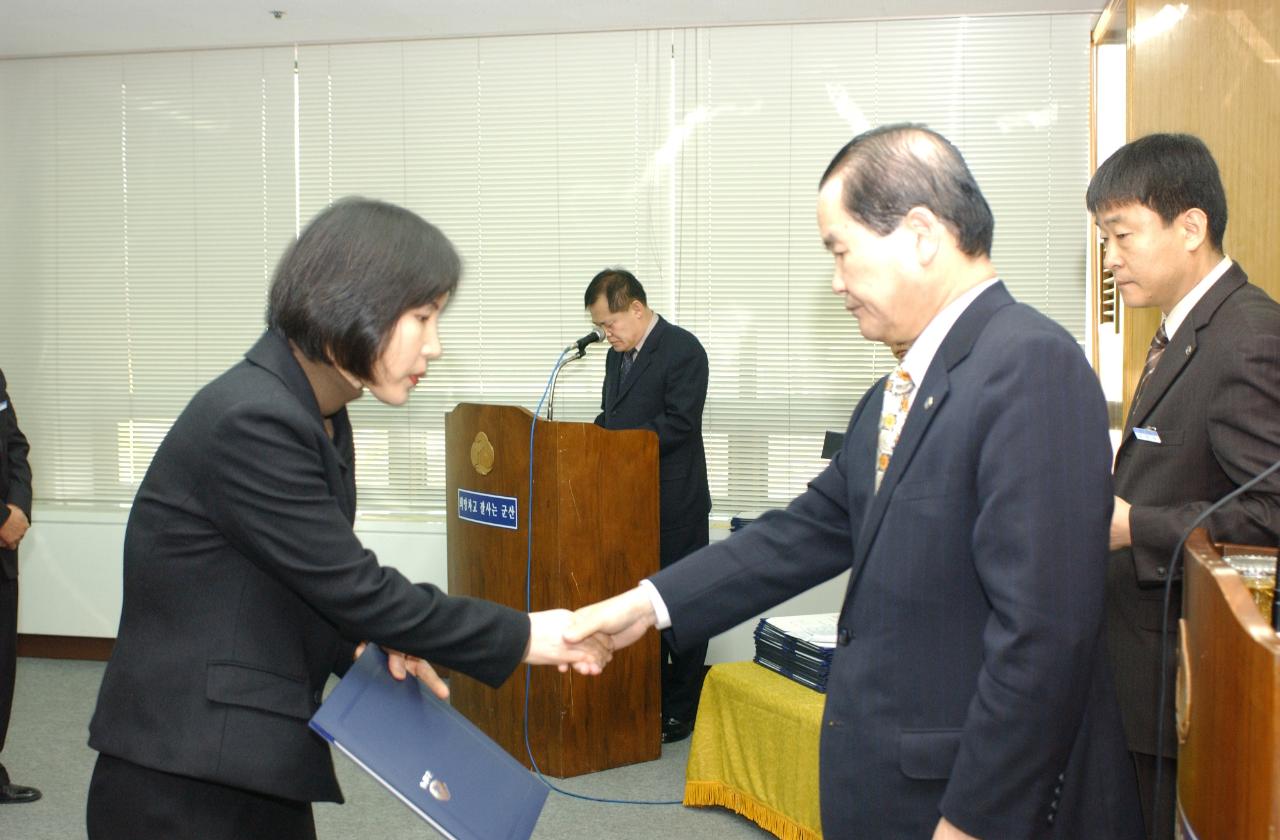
(1158, 342)
(893, 414)
(628, 359)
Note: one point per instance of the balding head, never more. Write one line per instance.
(889, 170)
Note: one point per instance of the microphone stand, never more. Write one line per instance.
(578, 349)
(564, 359)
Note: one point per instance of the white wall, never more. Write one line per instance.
(71, 572)
(71, 564)
(1109, 107)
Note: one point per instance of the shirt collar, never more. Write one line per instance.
(653, 322)
(920, 355)
(1183, 308)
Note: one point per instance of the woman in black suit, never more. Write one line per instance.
(245, 586)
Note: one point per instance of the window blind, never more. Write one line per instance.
(146, 199)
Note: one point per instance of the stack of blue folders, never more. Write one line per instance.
(798, 646)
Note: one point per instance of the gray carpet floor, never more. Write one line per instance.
(46, 748)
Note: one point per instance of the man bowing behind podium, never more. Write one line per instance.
(968, 694)
(656, 378)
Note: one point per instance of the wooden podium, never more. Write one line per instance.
(1228, 706)
(595, 534)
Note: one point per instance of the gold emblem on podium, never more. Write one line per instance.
(482, 453)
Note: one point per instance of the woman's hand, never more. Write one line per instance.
(402, 665)
(547, 645)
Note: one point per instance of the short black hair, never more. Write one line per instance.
(893, 168)
(1166, 173)
(619, 288)
(357, 267)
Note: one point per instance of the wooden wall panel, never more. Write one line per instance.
(1214, 73)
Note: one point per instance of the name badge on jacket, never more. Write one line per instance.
(1146, 434)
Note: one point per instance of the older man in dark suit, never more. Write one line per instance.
(1205, 416)
(656, 378)
(968, 695)
(15, 519)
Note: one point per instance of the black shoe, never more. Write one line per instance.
(675, 729)
(13, 794)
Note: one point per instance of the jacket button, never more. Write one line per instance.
(843, 637)
(1160, 570)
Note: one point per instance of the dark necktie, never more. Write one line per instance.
(1158, 342)
(628, 359)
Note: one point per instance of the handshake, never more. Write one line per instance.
(586, 639)
(583, 640)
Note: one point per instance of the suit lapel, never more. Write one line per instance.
(1179, 351)
(641, 363)
(272, 352)
(1181, 348)
(928, 403)
(344, 442)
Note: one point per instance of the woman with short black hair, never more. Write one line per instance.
(245, 585)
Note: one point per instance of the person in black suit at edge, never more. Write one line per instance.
(1205, 417)
(245, 586)
(15, 519)
(969, 693)
(655, 377)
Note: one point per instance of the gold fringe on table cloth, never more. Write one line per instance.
(715, 793)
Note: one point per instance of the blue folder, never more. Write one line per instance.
(425, 752)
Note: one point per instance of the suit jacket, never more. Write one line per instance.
(968, 678)
(1214, 401)
(15, 475)
(665, 392)
(245, 587)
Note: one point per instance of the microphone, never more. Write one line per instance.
(592, 337)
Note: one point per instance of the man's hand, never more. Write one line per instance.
(402, 665)
(1121, 537)
(947, 831)
(14, 528)
(549, 644)
(622, 618)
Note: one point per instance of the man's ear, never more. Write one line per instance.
(1194, 225)
(928, 230)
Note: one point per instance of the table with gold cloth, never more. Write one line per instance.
(755, 749)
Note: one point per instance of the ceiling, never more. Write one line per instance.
(67, 27)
